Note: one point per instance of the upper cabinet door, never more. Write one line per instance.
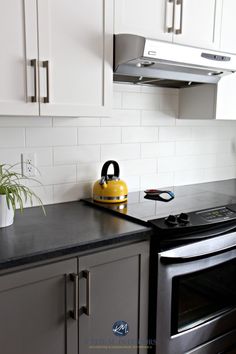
(197, 23)
(18, 43)
(152, 19)
(75, 54)
(228, 27)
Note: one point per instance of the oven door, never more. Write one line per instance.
(196, 294)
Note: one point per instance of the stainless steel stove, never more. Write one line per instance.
(193, 267)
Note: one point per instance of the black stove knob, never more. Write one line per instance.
(183, 218)
(171, 220)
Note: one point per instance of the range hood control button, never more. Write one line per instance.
(171, 220)
(152, 52)
(183, 218)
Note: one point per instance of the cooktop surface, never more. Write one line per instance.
(187, 198)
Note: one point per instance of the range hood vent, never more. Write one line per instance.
(139, 60)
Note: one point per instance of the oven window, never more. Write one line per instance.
(201, 296)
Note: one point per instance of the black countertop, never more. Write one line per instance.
(74, 227)
(66, 229)
(187, 198)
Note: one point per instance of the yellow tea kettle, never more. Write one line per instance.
(110, 188)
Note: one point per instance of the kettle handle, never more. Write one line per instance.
(106, 166)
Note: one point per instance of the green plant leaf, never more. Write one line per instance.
(11, 185)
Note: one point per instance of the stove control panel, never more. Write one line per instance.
(197, 220)
(215, 214)
(181, 219)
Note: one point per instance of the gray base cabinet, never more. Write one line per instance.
(74, 306)
(113, 287)
(34, 305)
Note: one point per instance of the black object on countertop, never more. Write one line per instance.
(160, 195)
(187, 198)
(66, 229)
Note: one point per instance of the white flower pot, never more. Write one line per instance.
(6, 215)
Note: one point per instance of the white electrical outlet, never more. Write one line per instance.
(28, 164)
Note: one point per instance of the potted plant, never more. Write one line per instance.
(13, 194)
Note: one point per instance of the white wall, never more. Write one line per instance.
(153, 148)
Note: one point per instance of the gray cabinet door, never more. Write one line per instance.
(34, 308)
(113, 287)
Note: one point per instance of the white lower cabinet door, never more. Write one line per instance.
(18, 43)
(75, 53)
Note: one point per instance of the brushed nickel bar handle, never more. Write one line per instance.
(87, 309)
(180, 3)
(75, 313)
(195, 257)
(46, 66)
(169, 29)
(33, 63)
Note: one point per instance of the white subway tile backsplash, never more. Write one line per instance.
(117, 100)
(99, 135)
(13, 156)
(201, 133)
(159, 90)
(225, 159)
(122, 118)
(158, 118)
(89, 172)
(219, 173)
(138, 167)
(139, 135)
(203, 147)
(71, 191)
(12, 137)
(120, 152)
(76, 122)
(175, 133)
(182, 163)
(133, 100)
(51, 136)
(198, 122)
(76, 154)
(170, 103)
(45, 193)
(25, 122)
(157, 181)
(153, 148)
(189, 177)
(133, 182)
(118, 87)
(56, 174)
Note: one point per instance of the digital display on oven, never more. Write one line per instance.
(217, 213)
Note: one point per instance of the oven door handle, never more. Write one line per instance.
(196, 257)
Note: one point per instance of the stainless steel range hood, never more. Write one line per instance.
(139, 60)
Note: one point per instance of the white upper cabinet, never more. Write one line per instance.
(75, 56)
(228, 27)
(18, 43)
(196, 23)
(56, 57)
(152, 18)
